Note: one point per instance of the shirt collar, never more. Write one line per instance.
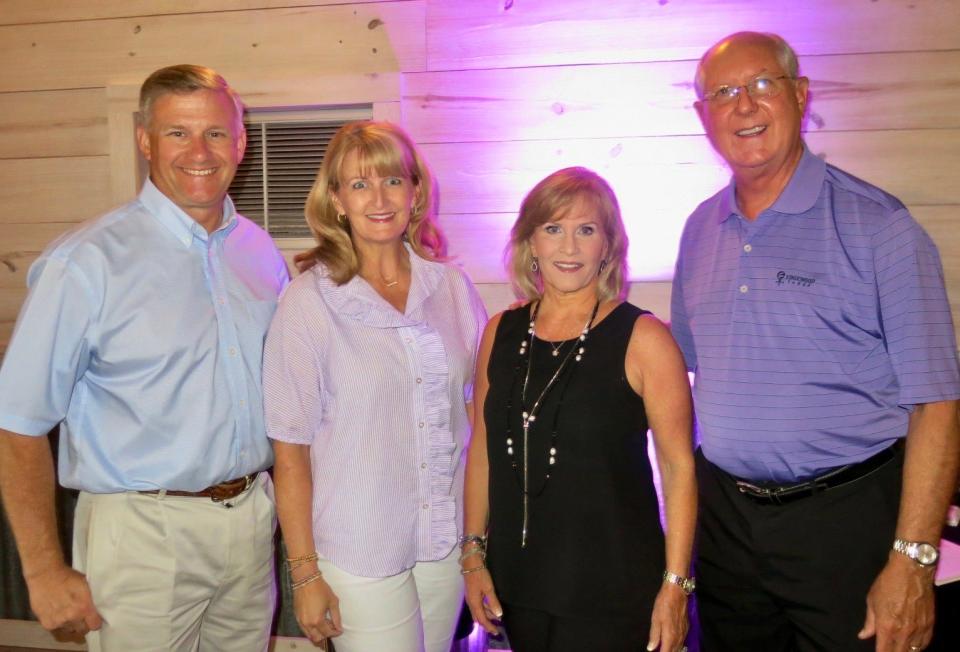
(183, 227)
(359, 300)
(799, 195)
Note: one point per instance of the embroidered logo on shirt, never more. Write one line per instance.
(794, 279)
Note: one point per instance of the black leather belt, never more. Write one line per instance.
(779, 495)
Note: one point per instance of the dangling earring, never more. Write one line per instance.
(535, 266)
(342, 219)
(603, 266)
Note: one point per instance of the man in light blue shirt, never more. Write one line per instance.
(142, 337)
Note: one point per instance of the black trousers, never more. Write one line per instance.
(791, 577)
(532, 630)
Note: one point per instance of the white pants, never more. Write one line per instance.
(415, 611)
(172, 573)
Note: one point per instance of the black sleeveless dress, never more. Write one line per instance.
(594, 541)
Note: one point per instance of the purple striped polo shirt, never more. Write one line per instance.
(813, 329)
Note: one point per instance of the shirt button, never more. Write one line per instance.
(420, 424)
(419, 380)
(232, 351)
(426, 506)
(408, 340)
(743, 289)
(242, 403)
(423, 465)
(747, 248)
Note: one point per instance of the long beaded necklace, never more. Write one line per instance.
(529, 415)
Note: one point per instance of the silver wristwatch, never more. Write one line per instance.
(921, 552)
(688, 584)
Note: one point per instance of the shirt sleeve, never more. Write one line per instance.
(50, 349)
(292, 381)
(679, 322)
(914, 312)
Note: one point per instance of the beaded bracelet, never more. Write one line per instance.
(306, 580)
(467, 571)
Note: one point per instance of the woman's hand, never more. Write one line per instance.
(482, 599)
(318, 611)
(668, 623)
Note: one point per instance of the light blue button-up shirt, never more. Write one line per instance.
(142, 336)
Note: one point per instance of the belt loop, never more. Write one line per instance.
(161, 494)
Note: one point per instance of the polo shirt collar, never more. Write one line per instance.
(799, 195)
(183, 227)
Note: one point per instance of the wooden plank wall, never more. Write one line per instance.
(499, 93)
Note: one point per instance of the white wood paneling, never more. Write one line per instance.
(53, 123)
(514, 33)
(264, 44)
(14, 12)
(916, 90)
(673, 174)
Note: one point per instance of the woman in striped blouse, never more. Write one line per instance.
(368, 373)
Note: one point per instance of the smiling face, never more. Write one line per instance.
(377, 207)
(194, 143)
(569, 249)
(753, 135)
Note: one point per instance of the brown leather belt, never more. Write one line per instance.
(218, 492)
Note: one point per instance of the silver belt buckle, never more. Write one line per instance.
(748, 488)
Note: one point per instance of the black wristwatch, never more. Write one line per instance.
(921, 552)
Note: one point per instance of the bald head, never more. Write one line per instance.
(780, 49)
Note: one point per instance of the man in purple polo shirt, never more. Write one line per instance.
(812, 308)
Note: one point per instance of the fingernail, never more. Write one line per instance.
(499, 613)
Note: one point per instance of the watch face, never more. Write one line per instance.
(927, 554)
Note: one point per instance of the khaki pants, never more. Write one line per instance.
(171, 573)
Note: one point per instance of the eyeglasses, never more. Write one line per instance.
(759, 87)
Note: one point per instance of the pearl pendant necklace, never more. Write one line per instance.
(529, 416)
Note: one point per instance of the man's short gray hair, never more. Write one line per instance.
(182, 79)
(785, 55)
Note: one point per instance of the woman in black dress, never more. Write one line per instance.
(562, 527)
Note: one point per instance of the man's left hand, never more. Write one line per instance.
(900, 607)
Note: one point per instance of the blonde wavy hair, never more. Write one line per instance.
(383, 148)
(550, 200)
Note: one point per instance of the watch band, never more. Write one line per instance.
(688, 584)
(923, 553)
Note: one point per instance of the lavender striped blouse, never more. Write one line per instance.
(380, 397)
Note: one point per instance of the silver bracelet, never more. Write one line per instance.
(687, 584)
